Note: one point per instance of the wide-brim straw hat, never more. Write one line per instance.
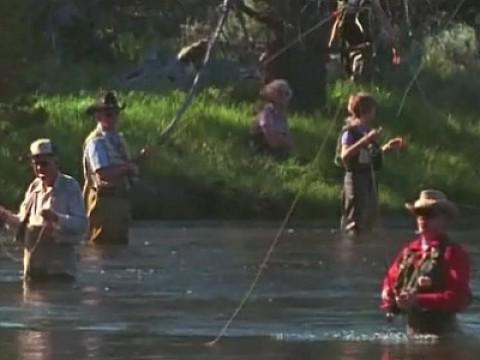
(106, 102)
(433, 199)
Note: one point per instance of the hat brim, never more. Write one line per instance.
(92, 109)
(36, 156)
(446, 207)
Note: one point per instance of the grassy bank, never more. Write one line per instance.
(206, 170)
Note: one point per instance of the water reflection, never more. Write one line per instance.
(52, 309)
(172, 289)
(441, 350)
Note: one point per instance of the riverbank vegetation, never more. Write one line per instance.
(58, 57)
(207, 170)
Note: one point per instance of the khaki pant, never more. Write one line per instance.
(108, 217)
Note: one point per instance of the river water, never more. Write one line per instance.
(171, 291)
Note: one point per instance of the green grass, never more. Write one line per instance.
(206, 170)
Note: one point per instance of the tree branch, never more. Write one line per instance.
(267, 19)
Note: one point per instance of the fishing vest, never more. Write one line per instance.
(414, 265)
(118, 154)
(373, 151)
(418, 263)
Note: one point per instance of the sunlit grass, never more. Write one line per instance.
(209, 158)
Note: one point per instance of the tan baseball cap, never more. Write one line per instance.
(42, 147)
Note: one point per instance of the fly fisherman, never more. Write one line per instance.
(109, 171)
(51, 220)
(429, 280)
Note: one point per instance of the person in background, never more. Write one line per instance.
(361, 156)
(108, 172)
(429, 279)
(51, 220)
(270, 133)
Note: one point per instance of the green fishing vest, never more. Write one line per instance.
(374, 151)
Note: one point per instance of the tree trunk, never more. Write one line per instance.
(291, 55)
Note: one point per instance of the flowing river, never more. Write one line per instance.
(173, 288)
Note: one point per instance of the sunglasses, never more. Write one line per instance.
(40, 163)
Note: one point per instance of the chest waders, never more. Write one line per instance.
(359, 195)
(107, 203)
(41, 252)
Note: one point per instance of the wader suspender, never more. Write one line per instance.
(407, 279)
(374, 150)
(20, 233)
(121, 149)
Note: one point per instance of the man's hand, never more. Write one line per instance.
(145, 153)
(406, 300)
(49, 216)
(424, 282)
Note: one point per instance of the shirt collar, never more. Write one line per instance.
(425, 241)
(38, 186)
(105, 132)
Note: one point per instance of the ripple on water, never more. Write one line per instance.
(388, 337)
(11, 325)
(104, 327)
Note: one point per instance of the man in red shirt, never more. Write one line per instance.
(429, 279)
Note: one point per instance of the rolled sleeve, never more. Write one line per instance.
(97, 154)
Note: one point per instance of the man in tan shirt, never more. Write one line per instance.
(51, 220)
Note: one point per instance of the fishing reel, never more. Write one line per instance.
(392, 313)
(390, 316)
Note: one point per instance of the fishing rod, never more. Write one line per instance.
(276, 240)
(225, 7)
(293, 205)
(4, 248)
(422, 63)
(390, 315)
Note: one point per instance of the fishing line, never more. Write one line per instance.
(191, 93)
(422, 64)
(226, 7)
(299, 194)
(299, 38)
(409, 87)
(279, 233)
(14, 258)
(38, 239)
(8, 253)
